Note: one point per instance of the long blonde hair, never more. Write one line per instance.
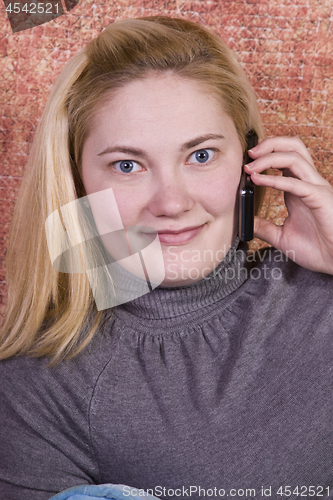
(52, 313)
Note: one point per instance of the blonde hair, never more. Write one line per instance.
(52, 313)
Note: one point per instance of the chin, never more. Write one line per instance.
(179, 275)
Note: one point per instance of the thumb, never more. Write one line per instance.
(267, 231)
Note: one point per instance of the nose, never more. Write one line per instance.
(170, 195)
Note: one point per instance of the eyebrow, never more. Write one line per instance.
(198, 140)
(142, 154)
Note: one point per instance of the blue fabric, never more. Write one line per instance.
(110, 491)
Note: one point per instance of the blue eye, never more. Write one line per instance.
(201, 156)
(125, 166)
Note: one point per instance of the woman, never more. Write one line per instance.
(218, 381)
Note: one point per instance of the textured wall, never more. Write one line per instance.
(286, 48)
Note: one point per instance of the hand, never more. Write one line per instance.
(307, 232)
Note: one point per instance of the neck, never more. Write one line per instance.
(172, 302)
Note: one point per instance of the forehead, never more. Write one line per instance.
(159, 98)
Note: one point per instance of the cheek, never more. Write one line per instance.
(219, 195)
(130, 204)
(90, 180)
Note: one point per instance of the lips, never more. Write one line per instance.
(179, 237)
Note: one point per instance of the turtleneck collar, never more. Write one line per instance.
(171, 302)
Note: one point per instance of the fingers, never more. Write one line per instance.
(292, 164)
(286, 144)
(288, 184)
(288, 154)
(313, 196)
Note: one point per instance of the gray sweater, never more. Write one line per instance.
(206, 390)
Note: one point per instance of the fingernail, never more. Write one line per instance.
(254, 148)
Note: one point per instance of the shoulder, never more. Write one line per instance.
(35, 378)
(283, 267)
(276, 283)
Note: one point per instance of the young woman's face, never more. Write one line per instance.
(173, 160)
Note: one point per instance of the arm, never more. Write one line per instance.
(44, 432)
(12, 492)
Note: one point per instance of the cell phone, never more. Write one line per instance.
(246, 194)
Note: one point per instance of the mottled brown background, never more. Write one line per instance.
(285, 46)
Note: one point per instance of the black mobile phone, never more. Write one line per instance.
(246, 194)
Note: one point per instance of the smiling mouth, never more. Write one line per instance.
(179, 237)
